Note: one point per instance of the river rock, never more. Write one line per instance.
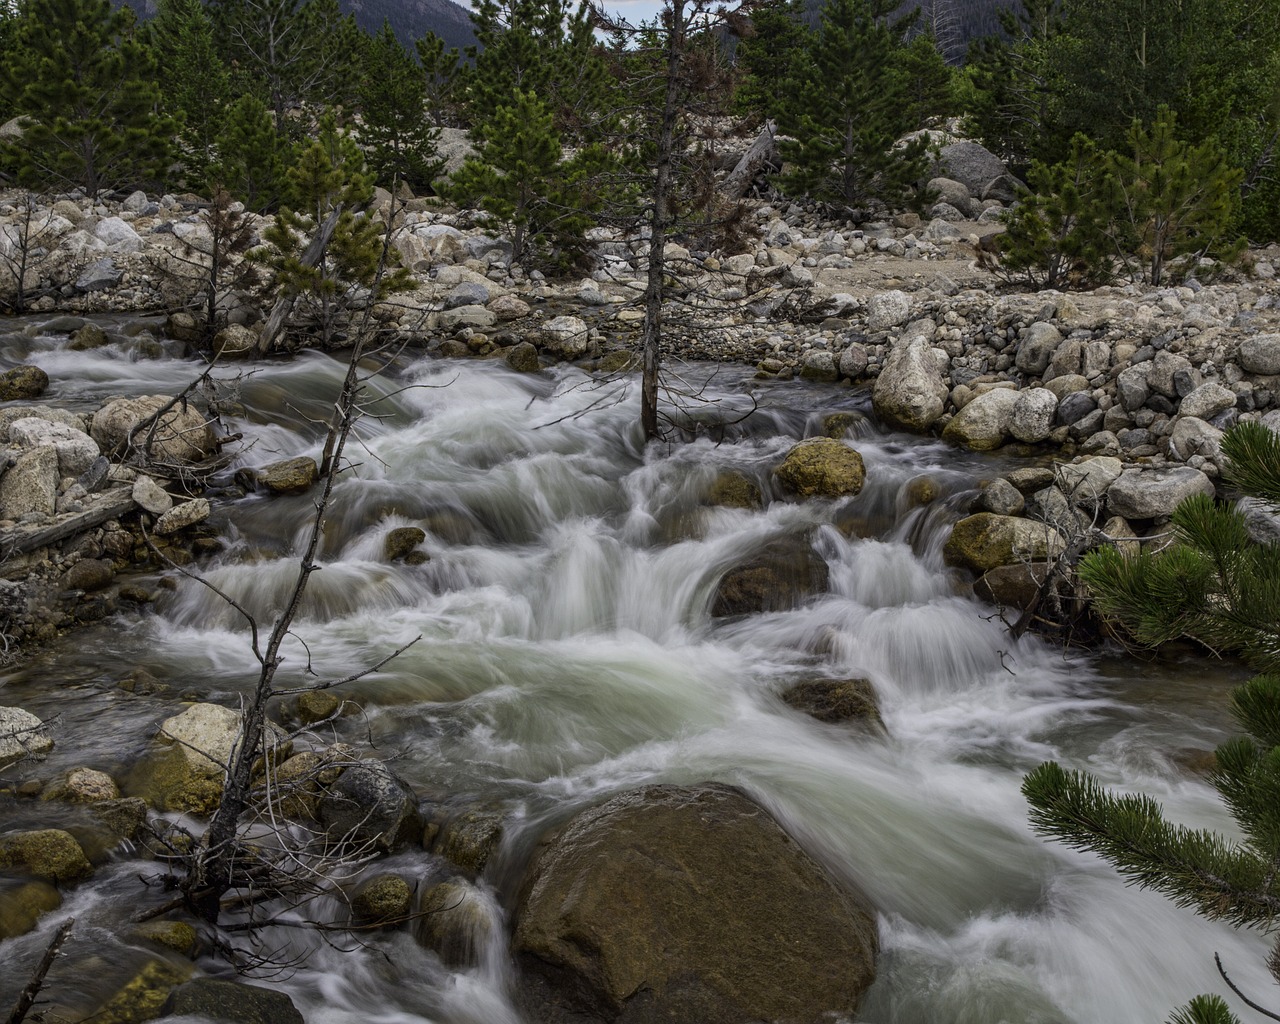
(1033, 415)
(853, 361)
(189, 513)
(22, 382)
(820, 365)
(76, 450)
(1086, 482)
(835, 700)
(456, 922)
(1191, 436)
(509, 307)
(117, 235)
(468, 840)
(50, 854)
(468, 293)
(368, 805)
(467, 316)
(144, 995)
(1155, 493)
(688, 904)
(1002, 498)
(523, 358)
(82, 786)
(821, 467)
(1037, 348)
(213, 999)
(731, 489)
(235, 341)
(1206, 401)
(402, 542)
(23, 905)
(910, 393)
(1012, 586)
(983, 424)
(566, 337)
(31, 484)
(99, 276)
(175, 935)
(1261, 354)
(289, 476)
(151, 496)
(383, 899)
(89, 574)
(182, 435)
(782, 576)
(22, 734)
(1132, 387)
(888, 309)
(984, 541)
(87, 337)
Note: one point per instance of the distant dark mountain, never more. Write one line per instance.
(410, 19)
(954, 23)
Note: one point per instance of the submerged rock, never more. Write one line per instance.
(688, 904)
(21, 906)
(835, 700)
(779, 578)
(455, 922)
(383, 899)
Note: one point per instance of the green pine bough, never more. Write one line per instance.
(1221, 587)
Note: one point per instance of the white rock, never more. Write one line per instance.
(181, 516)
(1033, 413)
(31, 484)
(21, 734)
(888, 309)
(151, 496)
(117, 235)
(76, 449)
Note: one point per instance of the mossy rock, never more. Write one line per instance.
(455, 922)
(384, 899)
(219, 1000)
(619, 361)
(175, 935)
(836, 700)
(734, 490)
(317, 705)
(470, 839)
(22, 382)
(822, 467)
(838, 424)
(402, 542)
(23, 905)
(920, 491)
(50, 853)
(986, 540)
(290, 476)
(141, 998)
(123, 818)
(781, 577)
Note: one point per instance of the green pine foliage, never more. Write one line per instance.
(251, 155)
(849, 109)
(1219, 586)
(397, 135)
(195, 84)
(767, 57)
(329, 188)
(521, 178)
(86, 89)
(444, 75)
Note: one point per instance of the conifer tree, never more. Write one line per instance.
(85, 87)
(325, 248)
(849, 110)
(398, 137)
(1220, 586)
(195, 84)
(444, 74)
(767, 57)
(251, 155)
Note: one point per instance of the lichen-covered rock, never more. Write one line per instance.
(189, 513)
(835, 700)
(888, 309)
(821, 467)
(383, 899)
(22, 382)
(289, 476)
(181, 435)
(31, 484)
(1155, 493)
(469, 839)
(734, 490)
(984, 541)
(50, 853)
(523, 358)
(142, 997)
(316, 705)
(22, 734)
(565, 336)
(910, 393)
(175, 935)
(688, 904)
(1033, 415)
(213, 999)
(457, 921)
(82, 786)
(820, 365)
(983, 424)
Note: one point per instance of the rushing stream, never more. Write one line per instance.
(568, 652)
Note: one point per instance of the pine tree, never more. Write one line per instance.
(326, 250)
(85, 87)
(1221, 587)
(398, 137)
(195, 84)
(767, 57)
(850, 110)
(444, 74)
(252, 156)
(520, 176)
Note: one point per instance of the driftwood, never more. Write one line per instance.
(27, 997)
(761, 153)
(284, 303)
(109, 505)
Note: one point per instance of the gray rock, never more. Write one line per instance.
(940, 230)
(1206, 401)
(118, 235)
(1132, 388)
(523, 358)
(566, 336)
(370, 805)
(1160, 378)
(1075, 407)
(1033, 415)
(1037, 348)
(910, 393)
(76, 449)
(136, 203)
(1002, 498)
(96, 476)
(31, 484)
(853, 361)
(21, 735)
(1260, 520)
(1191, 436)
(1005, 189)
(1261, 354)
(983, 424)
(467, 316)
(99, 276)
(1068, 360)
(951, 192)
(216, 1000)
(984, 541)
(819, 364)
(1086, 482)
(182, 436)
(458, 922)
(151, 496)
(189, 513)
(943, 213)
(1154, 493)
(888, 309)
(972, 165)
(469, 293)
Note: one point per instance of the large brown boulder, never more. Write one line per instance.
(688, 904)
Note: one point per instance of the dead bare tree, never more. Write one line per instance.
(25, 245)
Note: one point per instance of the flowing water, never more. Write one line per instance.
(568, 652)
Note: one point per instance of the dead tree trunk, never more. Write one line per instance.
(312, 255)
(762, 153)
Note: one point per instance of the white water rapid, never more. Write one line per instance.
(569, 652)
